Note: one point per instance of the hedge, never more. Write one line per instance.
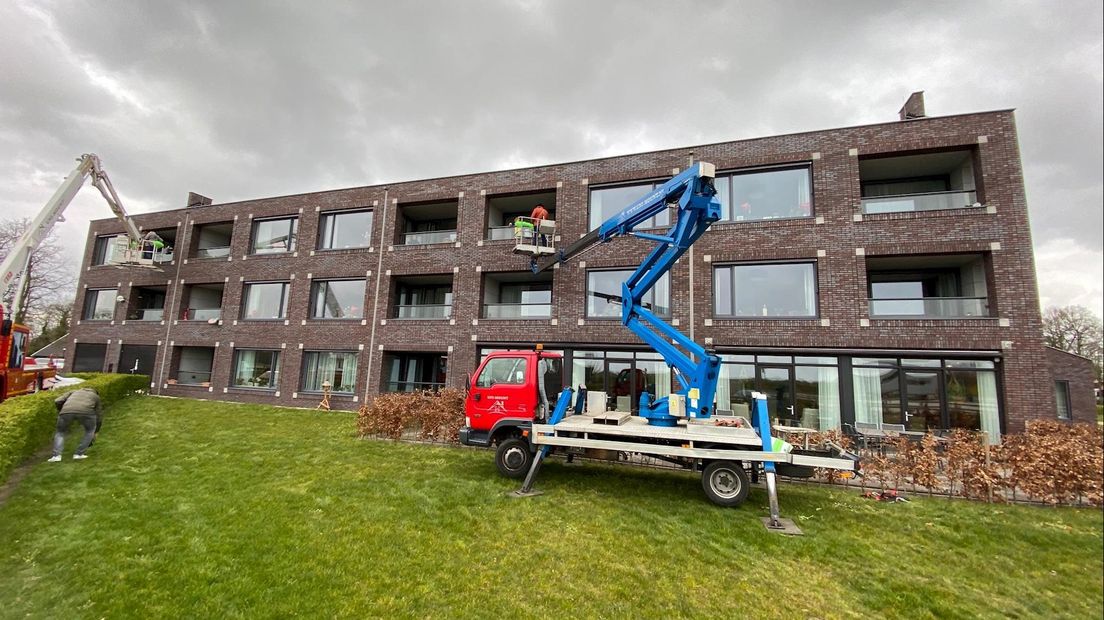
(28, 422)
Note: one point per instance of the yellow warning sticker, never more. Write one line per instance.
(694, 393)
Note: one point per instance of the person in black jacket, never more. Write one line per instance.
(83, 406)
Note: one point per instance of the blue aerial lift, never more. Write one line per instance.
(676, 428)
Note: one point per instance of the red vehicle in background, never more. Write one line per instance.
(19, 374)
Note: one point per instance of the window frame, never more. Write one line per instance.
(293, 234)
(726, 176)
(285, 297)
(305, 367)
(324, 245)
(92, 295)
(274, 368)
(630, 270)
(100, 252)
(732, 289)
(655, 183)
(1064, 385)
(316, 286)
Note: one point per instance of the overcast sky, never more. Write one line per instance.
(237, 100)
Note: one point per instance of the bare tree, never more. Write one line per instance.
(51, 275)
(1077, 330)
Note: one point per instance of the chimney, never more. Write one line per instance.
(198, 200)
(914, 107)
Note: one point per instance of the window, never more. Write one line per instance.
(780, 290)
(415, 300)
(266, 300)
(604, 294)
(411, 372)
(18, 345)
(274, 236)
(517, 296)
(89, 357)
(1062, 396)
(605, 202)
(337, 299)
(99, 305)
(339, 368)
(502, 370)
(765, 195)
(103, 252)
(256, 369)
(345, 229)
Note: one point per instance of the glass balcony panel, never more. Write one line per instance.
(426, 238)
(151, 314)
(499, 233)
(424, 311)
(933, 201)
(517, 311)
(413, 386)
(938, 307)
(219, 252)
(202, 314)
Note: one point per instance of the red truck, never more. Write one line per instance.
(510, 390)
(16, 376)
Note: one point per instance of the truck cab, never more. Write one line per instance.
(508, 391)
(17, 377)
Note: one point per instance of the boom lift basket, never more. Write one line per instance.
(123, 251)
(534, 237)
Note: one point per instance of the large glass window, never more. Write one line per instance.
(337, 299)
(274, 236)
(765, 195)
(605, 202)
(256, 369)
(339, 368)
(103, 252)
(99, 304)
(508, 370)
(265, 300)
(1062, 397)
(411, 372)
(801, 391)
(345, 229)
(431, 301)
(604, 294)
(927, 394)
(784, 290)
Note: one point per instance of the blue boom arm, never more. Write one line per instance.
(695, 369)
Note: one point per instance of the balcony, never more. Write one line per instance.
(422, 297)
(213, 240)
(193, 365)
(202, 314)
(947, 286)
(147, 303)
(929, 201)
(919, 182)
(414, 371)
(202, 302)
(428, 238)
(427, 223)
(151, 314)
(517, 311)
(501, 211)
(517, 295)
(500, 233)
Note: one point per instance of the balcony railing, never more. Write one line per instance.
(423, 311)
(151, 314)
(517, 311)
(930, 307)
(219, 252)
(202, 314)
(500, 233)
(193, 377)
(412, 386)
(931, 201)
(426, 238)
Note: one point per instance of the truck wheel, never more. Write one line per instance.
(725, 483)
(513, 458)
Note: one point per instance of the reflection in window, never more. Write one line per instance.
(604, 294)
(773, 290)
(765, 195)
(337, 299)
(503, 370)
(99, 305)
(256, 369)
(346, 229)
(266, 300)
(274, 236)
(337, 367)
(605, 202)
(1061, 395)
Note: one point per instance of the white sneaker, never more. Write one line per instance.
(54, 459)
(77, 457)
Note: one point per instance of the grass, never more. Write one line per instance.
(201, 509)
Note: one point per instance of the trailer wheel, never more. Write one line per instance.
(513, 458)
(725, 483)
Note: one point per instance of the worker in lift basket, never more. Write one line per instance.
(83, 406)
(538, 215)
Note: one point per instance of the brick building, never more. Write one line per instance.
(880, 273)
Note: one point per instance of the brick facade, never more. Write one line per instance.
(838, 238)
(1078, 373)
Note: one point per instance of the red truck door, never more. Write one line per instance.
(504, 387)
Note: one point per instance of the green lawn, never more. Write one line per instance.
(196, 509)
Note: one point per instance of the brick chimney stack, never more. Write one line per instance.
(198, 200)
(914, 107)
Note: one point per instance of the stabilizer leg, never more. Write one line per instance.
(526, 489)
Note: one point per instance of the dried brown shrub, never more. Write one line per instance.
(433, 416)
